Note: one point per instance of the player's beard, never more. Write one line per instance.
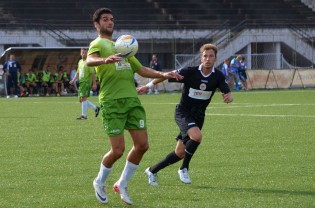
(105, 31)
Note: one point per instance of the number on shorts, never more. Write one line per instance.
(141, 122)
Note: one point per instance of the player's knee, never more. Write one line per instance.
(196, 136)
(142, 148)
(118, 152)
(180, 153)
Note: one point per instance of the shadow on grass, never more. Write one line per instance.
(263, 191)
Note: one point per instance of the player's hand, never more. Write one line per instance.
(113, 58)
(227, 98)
(142, 89)
(71, 82)
(174, 75)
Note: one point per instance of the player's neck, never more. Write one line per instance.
(206, 70)
(109, 37)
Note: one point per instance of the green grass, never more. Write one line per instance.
(258, 151)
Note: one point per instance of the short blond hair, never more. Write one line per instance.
(209, 46)
(239, 57)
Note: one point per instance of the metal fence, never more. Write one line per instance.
(253, 61)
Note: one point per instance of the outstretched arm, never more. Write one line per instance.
(95, 60)
(159, 77)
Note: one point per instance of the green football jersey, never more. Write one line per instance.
(53, 77)
(85, 72)
(46, 76)
(30, 77)
(116, 79)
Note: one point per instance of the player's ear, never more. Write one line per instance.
(96, 25)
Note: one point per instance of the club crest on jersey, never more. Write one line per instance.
(203, 86)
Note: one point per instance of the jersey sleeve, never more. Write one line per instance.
(185, 72)
(223, 86)
(94, 47)
(134, 63)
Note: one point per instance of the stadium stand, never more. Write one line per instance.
(276, 34)
(183, 14)
(219, 21)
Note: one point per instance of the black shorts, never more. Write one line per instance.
(186, 119)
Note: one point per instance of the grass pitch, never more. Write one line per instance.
(258, 151)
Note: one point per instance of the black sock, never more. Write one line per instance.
(170, 159)
(191, 147)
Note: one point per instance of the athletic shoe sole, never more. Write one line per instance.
(116, 189)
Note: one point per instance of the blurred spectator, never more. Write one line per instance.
(65, 79)
(225, 70)
(31, 82)
(154, 64)
(21, 85)
(53, 81)
(234, 69)
(1, 79)
(45, 81)
(242, 73)
(74, 87)
(11, 68)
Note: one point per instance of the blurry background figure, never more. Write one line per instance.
(12, 68)
(21, 85)
(242, 73)
(2, 77)
(74, 87)
(154, 64)
(45, 83)
(225, 70)
(234, 69)
(58, 84)
(87, 82)
(65, 79)
(31, 82)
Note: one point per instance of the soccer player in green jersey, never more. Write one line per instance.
(86, 77)
(120, 106)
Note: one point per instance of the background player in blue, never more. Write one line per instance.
(12, 68)
(234, 69)
(200, 84)
(225, 70)
(242, 73)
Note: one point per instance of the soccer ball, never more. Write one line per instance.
(126, 45)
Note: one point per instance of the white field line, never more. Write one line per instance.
(238, 105)
(258, 115)
(261, 115)
(248, 105)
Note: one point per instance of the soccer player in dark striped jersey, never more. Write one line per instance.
(200, 84)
